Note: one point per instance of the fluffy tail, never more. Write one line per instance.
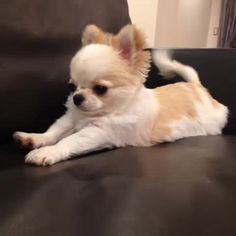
(169, 68)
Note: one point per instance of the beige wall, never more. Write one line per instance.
(177, 23)
(166, 25)
(143, 13)
(185, 25)
(212, 38)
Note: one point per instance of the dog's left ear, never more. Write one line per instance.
(93, 34)
(129, 41)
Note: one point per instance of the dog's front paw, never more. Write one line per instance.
(44, 156)
(30, 140)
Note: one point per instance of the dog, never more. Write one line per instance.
(109, 106)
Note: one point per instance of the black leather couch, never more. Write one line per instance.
(183, 188)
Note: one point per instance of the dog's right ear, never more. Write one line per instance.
(93, 34)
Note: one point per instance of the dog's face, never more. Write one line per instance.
(106, 74)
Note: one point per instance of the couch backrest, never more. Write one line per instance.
(217, 71)
(37, 40)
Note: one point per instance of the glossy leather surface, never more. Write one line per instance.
(184, 188)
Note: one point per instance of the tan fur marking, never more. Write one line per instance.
(142, 58)
(176, 101)
(194, 88)
(93, 34)
(214, 102)
(140, 62)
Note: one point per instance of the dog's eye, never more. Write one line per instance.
(100, 89)
(72, 87)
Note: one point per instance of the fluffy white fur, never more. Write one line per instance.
(125, 115)
(169, 68)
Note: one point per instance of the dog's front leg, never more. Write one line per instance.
(86, 140)
(62, 127)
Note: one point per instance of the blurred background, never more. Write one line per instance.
(186, 23)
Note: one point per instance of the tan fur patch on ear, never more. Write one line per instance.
(93, 34)
(140, 60)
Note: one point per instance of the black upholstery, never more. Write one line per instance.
(183, 188)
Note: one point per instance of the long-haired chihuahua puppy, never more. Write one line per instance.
(109, 105)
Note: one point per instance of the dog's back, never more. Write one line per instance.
(185, 108)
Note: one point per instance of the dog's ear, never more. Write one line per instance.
(129, 41)
(93, 34)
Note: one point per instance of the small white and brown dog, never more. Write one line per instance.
(110, 107)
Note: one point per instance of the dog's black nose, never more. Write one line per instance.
(78, 99)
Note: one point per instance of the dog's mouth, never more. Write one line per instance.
(85, 109)
(89, 112)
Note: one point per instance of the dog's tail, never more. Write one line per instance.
(169, 67)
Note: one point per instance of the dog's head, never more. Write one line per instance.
(109, 70)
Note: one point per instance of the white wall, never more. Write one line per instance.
(177, 23)
(143, 13)
(166, 25)
(212, 38)
(183, 23)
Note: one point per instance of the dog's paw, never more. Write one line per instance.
(29, 140)
(44, 156)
